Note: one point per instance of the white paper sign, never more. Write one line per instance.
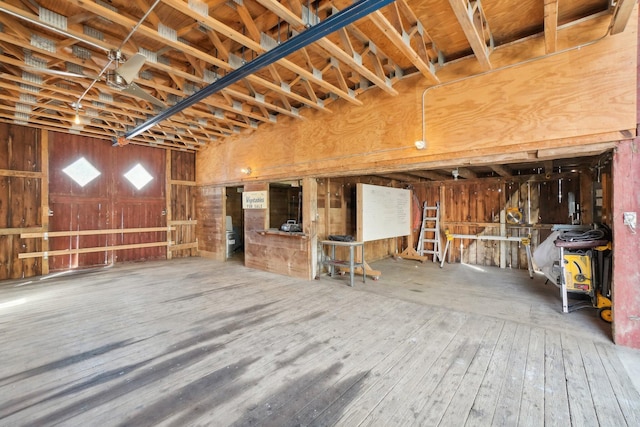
(254, 199)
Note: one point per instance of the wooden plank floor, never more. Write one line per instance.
(197, 342)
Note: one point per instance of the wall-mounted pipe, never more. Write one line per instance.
(333, 23)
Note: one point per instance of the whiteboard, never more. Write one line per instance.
(383, 212)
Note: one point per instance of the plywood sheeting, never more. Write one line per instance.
(552, 104)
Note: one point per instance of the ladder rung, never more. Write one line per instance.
(430, 240)
(431, 218)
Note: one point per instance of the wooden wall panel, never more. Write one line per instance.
(77, 214)
(183, 200)
(183, 166)
(282, 254)
(626, 244)
(210, 208)
(20, 199)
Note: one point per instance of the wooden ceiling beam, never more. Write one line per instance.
(550, 25)
(501, 170)
(402, 177)
(223, 51)
(463, 172)
(67, 121)
(326, 44)
(14, 26)
(346, 42)
(621, 15)
(426, 68)
(182, 47)
(247, 20)
(118, 107)
(471, 17)
(358, 34)
(256, 47)
(152, 17)
(432, 175)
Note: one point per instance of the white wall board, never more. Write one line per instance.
(383, 212)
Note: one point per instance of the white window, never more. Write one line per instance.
(81, 171)
(138, 176)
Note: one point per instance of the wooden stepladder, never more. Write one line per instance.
(429, 241)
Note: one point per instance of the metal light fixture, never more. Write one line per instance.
(455, 173)
(420, 145)
(76, 120)
(246, 171)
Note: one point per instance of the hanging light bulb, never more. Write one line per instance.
(76, 120)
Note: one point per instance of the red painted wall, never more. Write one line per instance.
(626, 245)
(108, 202)
(626, 254)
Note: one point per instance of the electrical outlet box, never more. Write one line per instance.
(630, 219)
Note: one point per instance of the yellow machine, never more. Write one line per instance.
(586, 271)
(578, 272)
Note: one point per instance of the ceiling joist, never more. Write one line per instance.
(471, 17)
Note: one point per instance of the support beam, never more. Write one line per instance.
(328, 45)
(44, 195)
(474, 24)
(501, 170)
(551, 25)
(621, 15)
(426, 68)
(464, 173)
(218, 26)
(315, 33)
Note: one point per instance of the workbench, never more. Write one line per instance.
(351, 263)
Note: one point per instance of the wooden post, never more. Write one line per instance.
(327, 208)
(626, 244)
(168, 211)
(503, 226)
(310, 221)
(44, 194)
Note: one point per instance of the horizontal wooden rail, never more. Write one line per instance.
(46, 235)
(179, 182)
(20, 174)
(89, 250)
(444, 223)
(184, 222)
(183, 246)
(10, 231)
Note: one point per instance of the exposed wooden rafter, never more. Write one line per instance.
(476, 28)
(298, 23)
(401, 39)
(621, 15)
(501, 170)
(188, 48)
